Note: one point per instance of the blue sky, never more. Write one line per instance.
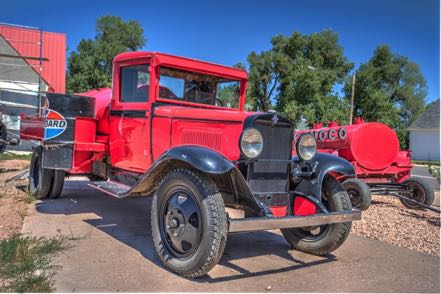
(226, 31)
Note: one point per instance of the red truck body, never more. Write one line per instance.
(173, 124)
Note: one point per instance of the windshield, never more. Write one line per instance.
(194, 87)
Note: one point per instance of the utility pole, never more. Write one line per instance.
(352, 100)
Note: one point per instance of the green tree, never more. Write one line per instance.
(90, 66)
(297, 76)
(390, 89)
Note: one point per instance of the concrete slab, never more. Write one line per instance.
(115, 254)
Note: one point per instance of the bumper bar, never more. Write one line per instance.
(266, 223)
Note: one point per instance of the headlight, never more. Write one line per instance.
(251, 143)
(306, 146)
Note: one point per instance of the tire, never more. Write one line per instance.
(359, 193)
(422, 191)
(57, 184)
(187, 204)
(40, 179)
(329, 237)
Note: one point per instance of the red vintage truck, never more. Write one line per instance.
(175, 128)
(381, 167)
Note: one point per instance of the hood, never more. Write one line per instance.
(202, 113)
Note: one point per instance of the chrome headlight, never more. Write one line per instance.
(306, 146)
(251, 143)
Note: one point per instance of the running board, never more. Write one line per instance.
(115, 189)
(269, 223)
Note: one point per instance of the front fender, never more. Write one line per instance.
(325, 164)
(201, 158)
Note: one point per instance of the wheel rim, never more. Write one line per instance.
(181, 225)
(416, 192)
(354, 196)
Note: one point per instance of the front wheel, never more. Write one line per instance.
(321, 240)
(419, 190)
(189, 223)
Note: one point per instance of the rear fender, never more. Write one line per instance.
(325, 164)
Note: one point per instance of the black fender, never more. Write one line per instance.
(201, 158)
(204, 160)
(324, 164)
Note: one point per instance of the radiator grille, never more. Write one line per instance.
(272, 176)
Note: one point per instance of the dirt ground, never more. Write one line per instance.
(13, 200)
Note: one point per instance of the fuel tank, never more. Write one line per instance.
(372, 145)
(102, 96)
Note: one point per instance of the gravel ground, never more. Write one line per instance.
(388, 220)
(13, 201)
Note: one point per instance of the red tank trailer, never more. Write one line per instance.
(380, 165)
(176, 129)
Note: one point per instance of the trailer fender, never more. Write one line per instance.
(326, 164)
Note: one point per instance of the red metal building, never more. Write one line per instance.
(25, 41)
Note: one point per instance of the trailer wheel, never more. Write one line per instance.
(359, 193)
(419, 190)
(189, 223)
(321, 240)
(40, 179)
(57, 184)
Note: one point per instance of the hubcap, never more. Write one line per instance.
(181, 223)
(415, 192)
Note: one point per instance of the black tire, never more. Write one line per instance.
(420, 190)
(57, 184)
(40, 179)
(359, 193)
(329, 237)
(171, 220)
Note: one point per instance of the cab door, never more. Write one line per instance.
(130, 116)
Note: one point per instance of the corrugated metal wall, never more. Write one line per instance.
(25, 42)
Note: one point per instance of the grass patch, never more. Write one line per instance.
(434, 171)
(12, 155)
(25, 263)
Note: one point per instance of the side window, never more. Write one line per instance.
(135, 82)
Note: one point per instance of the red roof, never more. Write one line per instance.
(24, 41)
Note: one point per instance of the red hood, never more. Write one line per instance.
(201, 113)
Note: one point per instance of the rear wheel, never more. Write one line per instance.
(359, 193)
(419, 190)
(321, 240)
(189, 223)
(57, 184)
(40, 179)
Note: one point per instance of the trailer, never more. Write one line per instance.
(380, 165)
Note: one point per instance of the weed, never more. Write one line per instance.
(25, 263)
(11, 155)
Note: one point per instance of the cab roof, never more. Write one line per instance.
(182, 62)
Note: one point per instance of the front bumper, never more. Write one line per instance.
(272, 223)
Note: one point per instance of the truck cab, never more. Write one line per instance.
(176, 129)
